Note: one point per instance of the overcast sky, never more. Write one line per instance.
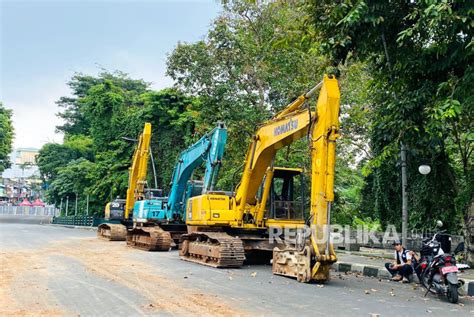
(43, 43)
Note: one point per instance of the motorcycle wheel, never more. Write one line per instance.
(424, 281)
(453, 295)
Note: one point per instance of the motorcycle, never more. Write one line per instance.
(439, 270)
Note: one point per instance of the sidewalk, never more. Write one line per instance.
(371, 262)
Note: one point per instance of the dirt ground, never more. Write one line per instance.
(23, 296)
(50, 270)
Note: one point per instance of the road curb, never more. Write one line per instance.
(382, 273)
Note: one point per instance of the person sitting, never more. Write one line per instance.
(401, 268)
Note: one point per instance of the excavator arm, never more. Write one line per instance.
(286, 127)
(138, 170)
(136, 190)
(314, 260)
(209, 149)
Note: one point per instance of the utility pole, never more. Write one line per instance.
(154, 170)
(87, 205)
(60, 207)
(67, 204)
(75, 209)
(403, 156)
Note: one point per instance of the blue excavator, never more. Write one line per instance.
(159, 222)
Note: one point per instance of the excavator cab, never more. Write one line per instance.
(286, 195)
(193, 188)
(115, 210)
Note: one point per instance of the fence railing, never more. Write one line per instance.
(28, 211)
(74, 220)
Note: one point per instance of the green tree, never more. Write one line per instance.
(71, 180)
(53, 156)
(74, 113)
(94, 158)
(420, 57)
(254, 60)
(6, 136)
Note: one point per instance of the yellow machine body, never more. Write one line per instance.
(247, 208)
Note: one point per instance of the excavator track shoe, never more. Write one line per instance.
(149, 239)
(112, 232)
(215, 249)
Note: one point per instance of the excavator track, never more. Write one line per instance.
(112, 231)
(216, 249)
(149, 238)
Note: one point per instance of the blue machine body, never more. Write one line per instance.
(209, 150)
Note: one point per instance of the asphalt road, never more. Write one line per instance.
(56, 271)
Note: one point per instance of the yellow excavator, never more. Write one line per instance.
(224, 229)
(118, 214)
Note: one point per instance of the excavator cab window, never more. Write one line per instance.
(286, 195)
(193, 188)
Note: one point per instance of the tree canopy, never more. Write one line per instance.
(94, 158)
(420, 58)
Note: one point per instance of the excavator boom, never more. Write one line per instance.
(208, 149)
(136, 190)
(138, 170)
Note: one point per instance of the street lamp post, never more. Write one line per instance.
(424, 170)
(75, 209)
(403, 156)
(87, 205)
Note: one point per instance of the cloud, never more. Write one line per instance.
(34, 112)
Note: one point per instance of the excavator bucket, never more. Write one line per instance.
(303, 264)
(112, 232)
(292, 263)
(149, 239)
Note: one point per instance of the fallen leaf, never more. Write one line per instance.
(320, 285)
(373, 289)
(253, 274)
(366, 292)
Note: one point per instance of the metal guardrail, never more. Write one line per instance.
(28, 211)
(74, 220)
(85, 221)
